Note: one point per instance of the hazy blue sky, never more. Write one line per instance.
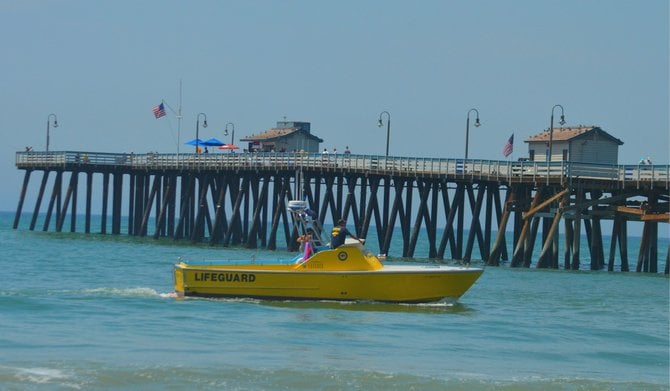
(101, 66)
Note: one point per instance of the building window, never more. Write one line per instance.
(531, 155)
(565, 154)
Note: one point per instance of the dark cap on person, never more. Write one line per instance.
(341, 222)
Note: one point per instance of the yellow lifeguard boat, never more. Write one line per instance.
(348, 272)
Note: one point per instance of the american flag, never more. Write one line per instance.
(509, 146)
(159, 111)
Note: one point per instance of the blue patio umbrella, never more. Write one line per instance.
(212, 142)
(192, 142)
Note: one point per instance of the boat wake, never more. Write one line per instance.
(125, 292)
(444, 306)
(88, 292)
(371, 306)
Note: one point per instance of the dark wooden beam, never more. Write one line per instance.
(22, 197)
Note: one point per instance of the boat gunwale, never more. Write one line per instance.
(390, 269)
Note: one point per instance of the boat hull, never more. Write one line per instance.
(407, 284)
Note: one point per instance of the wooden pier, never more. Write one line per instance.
(240, 199)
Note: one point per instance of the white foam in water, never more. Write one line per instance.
(40, 375)
(124, 292)
(436, 304)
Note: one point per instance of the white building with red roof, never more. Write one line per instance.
(586, 144)
(287, 136)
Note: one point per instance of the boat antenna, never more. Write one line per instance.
(298, 184)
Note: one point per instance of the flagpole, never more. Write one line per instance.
(179, 117)
(179, 123)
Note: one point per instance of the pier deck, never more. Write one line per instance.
(240, 199)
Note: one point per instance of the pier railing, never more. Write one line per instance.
(503, 170)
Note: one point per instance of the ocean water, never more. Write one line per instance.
(82, 312)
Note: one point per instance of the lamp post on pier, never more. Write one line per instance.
(388, 128)
(197, 130)
(55, 121)
(551, 135)
(225, 133)
(467, 128)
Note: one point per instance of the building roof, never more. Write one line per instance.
(276, 133)
(270, 134)
(572, 133)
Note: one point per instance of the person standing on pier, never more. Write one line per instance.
(324, 156)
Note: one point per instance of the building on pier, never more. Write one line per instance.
(584, 144)
(287, 136)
